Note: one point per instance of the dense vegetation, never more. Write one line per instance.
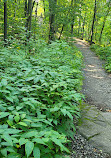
(39, 96)
(105, 54)
(40, 73)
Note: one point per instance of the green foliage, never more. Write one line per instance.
(39, 97)
(105, 54)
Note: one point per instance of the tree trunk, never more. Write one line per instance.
(73, 8)
(30, 17)
(94, 17)
(105, 17)
(83, 26)
(44, 6)
(72, 23)
(25, 9)
(79, 27)
(61, 32)
(52, 6)
(5, 22)
(28, 13)
(62, 29)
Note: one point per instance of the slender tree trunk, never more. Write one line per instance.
(83, 26)
(62, 29)
(15, 8)
(72, 25)
(72, 22)
(28, 14)
(73, 8)
(25, 9)
(30, 17)
(52, 6)
(5, 22)
(104, 21)
(79, 27)
(61, 32)
(44, 6)
(36, 11)
(35, 19)
(94, 17)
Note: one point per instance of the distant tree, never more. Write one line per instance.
(94, 18)
(105, 17)
(28, 13)
(5, 22)
(52, 8)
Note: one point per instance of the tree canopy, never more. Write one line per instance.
(52, 19)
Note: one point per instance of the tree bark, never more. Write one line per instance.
(73, 8)
(94, 17)
(52, 6)
(44, 6)
(5, 22)
(30, 17)
(104, 21)
(28, 13)
(25, 9)
(83, 26)
(61, 32)
(73, 18)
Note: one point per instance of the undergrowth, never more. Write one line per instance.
(105, 54)
(39, 98)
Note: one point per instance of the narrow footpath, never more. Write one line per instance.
(96, 117)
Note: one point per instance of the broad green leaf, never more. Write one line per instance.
(69, 114)
(2, 108)
(29, 146)
(23, 116)
(36, 124)
(30, 134)
(11, 117)
(4, 152)
(14, 155)
(29, 78)
(17, 118)
(64, 111)
(9, 99)
(4, 82)
(4, 114)
(58, 142)
(38, 140)
(36, 152)
(8, 138)
(47, 122)
(11, 149)
(11, 108)
(5, 91)
(10, 123)
(14, 131)
(22, 141)
(54, 109)
(22, 124)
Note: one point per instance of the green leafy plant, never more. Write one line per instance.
(39, 97)
(105, 54)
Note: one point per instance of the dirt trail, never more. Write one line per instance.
(96, 120)
(97, 83)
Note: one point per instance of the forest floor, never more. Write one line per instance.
(96, 115)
